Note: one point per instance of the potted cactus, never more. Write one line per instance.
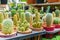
(7, 28)
(57, 12)
(1, 19)
(56, 22)
(23, 25)
(37, 22)
(49, 22)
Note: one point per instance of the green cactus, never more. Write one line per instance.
(23, 26)
(48, 9)
(29, 17)
(49, 19)
(56, 20)
(37, 23)
(15, 20)
(57, 12)
(1, 17)
(13, 12)
(7, 26)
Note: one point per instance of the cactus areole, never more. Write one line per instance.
(49, 19)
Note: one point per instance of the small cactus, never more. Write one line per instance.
(37, 23)
(57, 12)
(7, 26)
(15, 20)
(54, 15)
(6, 15)
(1, 17)
(29, 17)
(13, 12)
(49, 19)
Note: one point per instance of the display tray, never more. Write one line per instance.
(24, 36)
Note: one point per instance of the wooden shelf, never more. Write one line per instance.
(46, 4)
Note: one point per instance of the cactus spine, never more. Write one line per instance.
(49, 19)
(7, 26)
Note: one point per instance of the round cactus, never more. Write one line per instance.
(49, 19)
(7, 26)
(57, 12)
(56, 20)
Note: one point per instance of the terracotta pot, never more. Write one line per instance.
(25, 32)
(49, 28)
(7, 35)
(31, 1)
(52, 1)
(36, 29)
(57, 25)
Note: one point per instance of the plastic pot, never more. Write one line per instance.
(57, 25)
(49, 28)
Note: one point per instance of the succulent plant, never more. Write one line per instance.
(54, 15)
(29, 17)
(7, 26)
(57, 12)
(23, 26)
(13, 12)
(56, 20)
(37, 23)
(15, 20)
(48, 9)
(6, 15)
(49, 19)
(1, 17)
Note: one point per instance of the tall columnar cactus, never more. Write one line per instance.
(37, 16)
(57, 12)
(48, 9)
(29, 17)
(7, 26)
(1, 17)
(23, 17)
(37, 23)
(49, 19)
(15, 20)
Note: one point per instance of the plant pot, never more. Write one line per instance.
(25, 32)
(31, 1)
(7, 35)
(50, 1)
(57, 25)
(49, 28)
(36, 29)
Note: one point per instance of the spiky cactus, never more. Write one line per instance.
(7, 26)
(57, 12)
(15, 20)
(29, 17)
(54, 15)
(6, 15)
(49, 19)
(13, 12)
(56, 20)
(37, 23)
(1, 17)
